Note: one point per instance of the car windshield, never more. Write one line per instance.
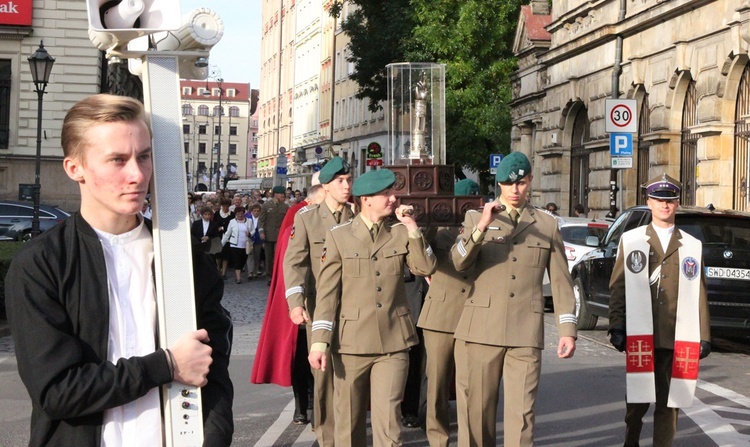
(717, 230)
(578, 234)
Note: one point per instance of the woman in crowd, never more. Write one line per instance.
(222, 217)
(237, 237)
(253, 261)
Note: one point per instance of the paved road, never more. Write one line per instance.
(581, 401)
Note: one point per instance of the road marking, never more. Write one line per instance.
(716, 427)
(274, 432)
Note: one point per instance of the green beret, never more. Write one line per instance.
(466, 187)
(513, 168)
(279, 190)
(336, 166)
(372, 182)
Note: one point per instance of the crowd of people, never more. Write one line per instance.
(338, 327)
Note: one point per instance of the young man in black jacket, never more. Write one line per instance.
(81, 304)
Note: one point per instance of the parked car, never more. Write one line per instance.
(725, 235)
(574, 231)
(16, 217)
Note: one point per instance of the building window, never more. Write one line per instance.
(233, 130)
(232, 148)
(202, 129)
(4, 103)
(234, 111)
(217, 130)
(187, 147)
(187, 110)
(217, 109)
(186, 91)
(203, 110)
(201, 148)
(186, 129)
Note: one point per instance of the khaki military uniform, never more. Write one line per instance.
(438, 318)
(502, 323)
(271, 215)
(664, 310)
(362, 312)
(301, 270)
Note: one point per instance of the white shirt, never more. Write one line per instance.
(665, 234)
(132, 332)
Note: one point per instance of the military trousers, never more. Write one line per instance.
(440, 371)
(323, 412)
(269, 247)
(377, 379)
(665, 418)
(483, 368)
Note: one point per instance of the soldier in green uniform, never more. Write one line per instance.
(301, 270)
(500, 334)
(271, 215)
(361, 289)
(440, 312)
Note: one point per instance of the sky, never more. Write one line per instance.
(237, 55)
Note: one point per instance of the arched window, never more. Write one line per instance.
(203, 110)
(579, 162)
(187, 109)
(644, 128)
(689, 146)
(741, 142)
(234, 111)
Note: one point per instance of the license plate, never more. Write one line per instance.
(728, 273)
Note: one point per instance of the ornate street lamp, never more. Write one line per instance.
(41, 66)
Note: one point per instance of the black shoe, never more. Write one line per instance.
(300, 419)
(410, 421)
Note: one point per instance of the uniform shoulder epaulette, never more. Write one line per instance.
(343, 224)
(307, 208)
(395, 224)
(473, 211)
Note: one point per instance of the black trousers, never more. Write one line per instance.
(302, 378)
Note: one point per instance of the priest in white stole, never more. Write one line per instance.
(658, 314)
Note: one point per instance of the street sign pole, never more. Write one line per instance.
(621, 123)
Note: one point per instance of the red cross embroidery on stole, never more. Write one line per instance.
(685, 363)
(640, 353)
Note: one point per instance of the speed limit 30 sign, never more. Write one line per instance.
(620, 115)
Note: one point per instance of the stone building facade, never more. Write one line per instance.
(685, 62)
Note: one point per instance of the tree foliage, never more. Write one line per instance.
(380, 31)
(473, 38)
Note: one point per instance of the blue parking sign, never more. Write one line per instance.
(495, 160)
(621, 144)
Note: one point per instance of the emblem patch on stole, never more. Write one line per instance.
(690, 268)
(636, 261)
(291, 234)
(323, 255)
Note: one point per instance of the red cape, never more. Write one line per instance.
(278, 335)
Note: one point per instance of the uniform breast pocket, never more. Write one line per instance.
(436, 295)
(348, 319)
(355, 265)
(537, 253)
(393, 260)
